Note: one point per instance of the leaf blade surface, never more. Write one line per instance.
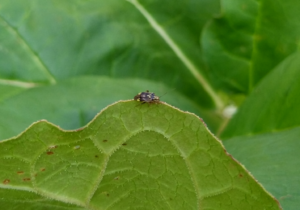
(144, 156)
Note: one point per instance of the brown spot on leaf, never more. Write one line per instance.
(96, 156)
(203, 121)
(124, 144)
(107, 195)
(105, 140)
(43, 169)
(26, 179)
(49, 153)
(117, 178)
(6, 181)
(229, 155)
(241, 175)
(79, 129)
(20, 172)
(277, 201)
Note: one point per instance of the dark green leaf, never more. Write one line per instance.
(273, 160)
(45, 41)
(264, 135)
(275, 102)
(249, 40)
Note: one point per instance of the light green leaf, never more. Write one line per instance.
(9, 91)
(130, 156)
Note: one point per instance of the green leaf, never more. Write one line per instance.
(272, 158)
(9, 91)
(72, 103)
(275, 102)
(267, 142)
(130, 156)
(227, 45)
(18, 59)
(249, 39)
(46, 41)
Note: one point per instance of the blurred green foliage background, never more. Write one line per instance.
(65, 60)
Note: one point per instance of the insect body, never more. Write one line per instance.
(147, 97)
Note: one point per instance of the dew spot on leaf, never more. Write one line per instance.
(52, 146)
(76, 147)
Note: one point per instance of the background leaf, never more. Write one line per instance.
(73, 103)
(85, 39)
(248, 40)
(272, 159)
(270, 137)
(275, 102)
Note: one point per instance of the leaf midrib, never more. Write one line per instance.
(34, 57)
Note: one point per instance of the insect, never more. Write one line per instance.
(147, 97)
